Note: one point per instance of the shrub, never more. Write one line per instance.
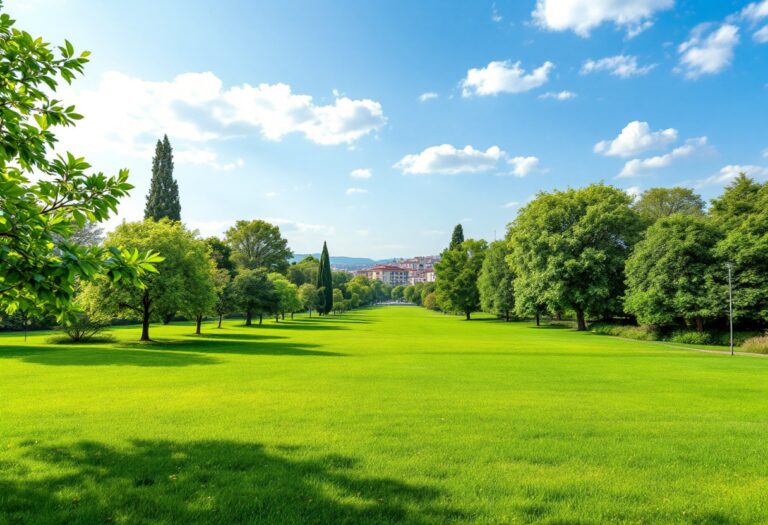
(641, 333)
(82, 328)
(691, 337)
(756, 345)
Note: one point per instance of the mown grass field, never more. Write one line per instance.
(380, 416)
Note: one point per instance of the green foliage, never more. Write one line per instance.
(671, 274)
(41, 261)
(309, 297)
(742, 213)
(286, 292)
(258, 244)
(457, 274)
(568, 249)
(325, 282)
(183, 284)
(398, 292)
(641, 333)
(457, 237)
(657, 203)
(81, 327)
(163, 197)
(254, 293)
(304, 271)
(360, 291)
(496, 281)
(430, 301)
(691, 337)
(221, 254)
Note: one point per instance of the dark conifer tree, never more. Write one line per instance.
(457, 238)
(325, 282)
(163, 197)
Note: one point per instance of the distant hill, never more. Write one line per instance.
(345, 263)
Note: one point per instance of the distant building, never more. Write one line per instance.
(421, 276)
(387, 273)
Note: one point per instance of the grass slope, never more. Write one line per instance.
(384, 415)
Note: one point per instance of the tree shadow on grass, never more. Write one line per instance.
(89, 356)
(153, 481)
(242, 346)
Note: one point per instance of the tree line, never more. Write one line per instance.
(595, 253)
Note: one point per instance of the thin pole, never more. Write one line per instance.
(730, 306)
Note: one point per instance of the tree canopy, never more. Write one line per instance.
(570, 247)
(325, 281)
(37, 216)
(656, 203)
(457, 237)
(258, 244)
(495, 282)
(163, 197)
(457, 274)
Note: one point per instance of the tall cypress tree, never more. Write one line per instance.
(325, 281)
(163, 197)
(457, 238)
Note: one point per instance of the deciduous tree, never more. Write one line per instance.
(496, 281)
(457, 274)
(258, 244)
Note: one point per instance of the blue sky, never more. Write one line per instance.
(445, 112)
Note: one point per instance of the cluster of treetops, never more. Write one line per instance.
(597, 254)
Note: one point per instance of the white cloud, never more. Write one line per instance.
(205, 157)
(429, 95)
(755, 11)
(636, 167)
(635, 138)
(361, 173)
(582, 16)
(362, 233)
(504, 77)
(511, 204)
(708, 53)
(761, 35)
(448, 160)
(623, 66)
(765, 153)
(558, 95)
(730, 172)
(522, 166)
(495, 16)
(633, 191)
(289, 226)
(271, 194)
(126, 115)
(356, 191)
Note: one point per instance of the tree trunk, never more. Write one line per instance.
(248, 316)
(145, 303)
(220, 318)
(581, 324)
(558, 316)
(310, 313)
(291, 316)
(699, 324)
(261, 319)
(283, 315)
(467, 314)
(538, 319)
(506, 315)
(277, 317)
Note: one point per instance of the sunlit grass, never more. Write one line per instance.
(382, 415)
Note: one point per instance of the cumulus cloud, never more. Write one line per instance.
(504, 77)
(707, 52)
(125, 115)
(356, 191)
(361, 173)
(730, 172)
(511, 204)
(637, 167)
(446, 159)
(623, 66)
(755, 11)
(582, 16)
(558, 95)
(429, 95)
(522, 166)
(635, 138)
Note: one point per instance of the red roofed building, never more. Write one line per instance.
(386, 273)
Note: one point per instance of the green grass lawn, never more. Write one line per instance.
(383, 415)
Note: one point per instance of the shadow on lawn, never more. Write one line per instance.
(207, 482)
(171, 353)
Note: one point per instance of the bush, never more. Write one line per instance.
(691, 337)
(756, 345)
(641, 333)
(82, 328)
